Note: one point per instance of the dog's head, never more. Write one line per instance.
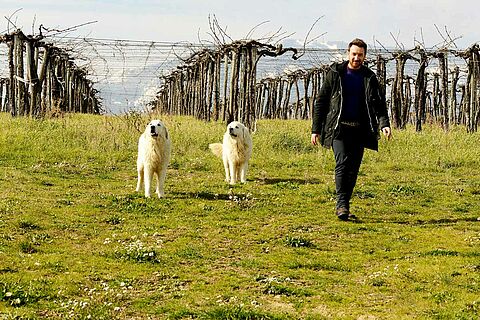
(236, 129)
(156, 128)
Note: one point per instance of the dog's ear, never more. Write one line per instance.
(245, 132)
(166, 133)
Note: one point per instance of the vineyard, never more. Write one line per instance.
(77, 241)
(227, 79)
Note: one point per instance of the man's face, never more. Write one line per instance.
(356, 56)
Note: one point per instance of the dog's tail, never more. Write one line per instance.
(216, 149)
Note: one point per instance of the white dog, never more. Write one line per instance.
(235, 151)
(153, 157)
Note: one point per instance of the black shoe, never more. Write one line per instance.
(343, 213)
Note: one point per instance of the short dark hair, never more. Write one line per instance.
(359, 43)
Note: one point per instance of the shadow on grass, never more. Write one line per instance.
(421, 222)
(291, 180)
(201, 195)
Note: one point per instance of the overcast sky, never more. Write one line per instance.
(187, 20)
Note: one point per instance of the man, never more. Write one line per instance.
(347, 116)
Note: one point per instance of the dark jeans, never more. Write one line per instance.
(348, 149)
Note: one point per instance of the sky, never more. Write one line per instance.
(379, 22)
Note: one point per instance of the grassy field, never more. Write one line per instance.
(77, 242)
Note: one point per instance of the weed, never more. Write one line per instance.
(238, 313)
(298, 242)
(64, 202)
(287, 185)
(279, 289)
(404, 190)
(28, 225)
(320, 265)
(40, 238)
(114, 220)
(189, 253)
(281, 286)
(27, 247)
(136, 251)
(364, 194)
(244, 201)
(441, 253)
(18, 294)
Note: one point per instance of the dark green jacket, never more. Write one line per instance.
(328, 106)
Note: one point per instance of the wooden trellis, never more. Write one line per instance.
(222, 85)
(439, 104)
(471, 96)
(217, 83)
(275, 93)
(398, 105)
(43, 79)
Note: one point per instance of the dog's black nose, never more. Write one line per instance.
(152, 130)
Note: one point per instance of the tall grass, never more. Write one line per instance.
(76, 241)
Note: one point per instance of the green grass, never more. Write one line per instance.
(77, 242)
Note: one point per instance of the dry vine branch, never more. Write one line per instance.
(447, 40)
(214, 35)
(308, 34)
(255, 27)
(57, 31)
(386, 50)
(418, 43)
(9, 20)
(215, 27)
(399, 45)
(270, 38)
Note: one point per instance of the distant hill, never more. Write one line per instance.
(296, 43)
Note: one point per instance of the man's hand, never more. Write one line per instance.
(387, 132)
(315, 138)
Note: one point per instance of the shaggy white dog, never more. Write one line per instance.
(235, 151)
(153, 157)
